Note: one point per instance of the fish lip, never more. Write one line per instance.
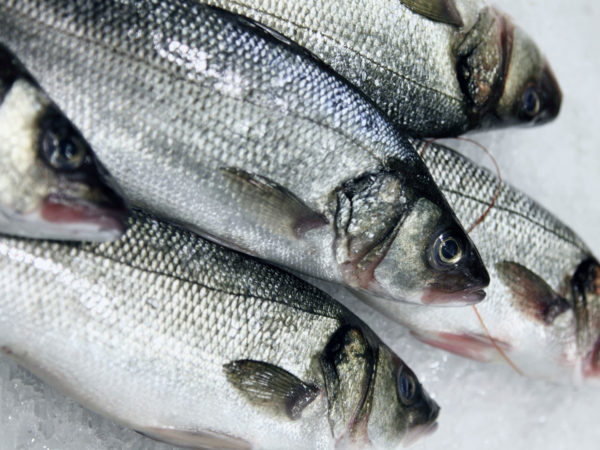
(99, 221)
(438, 297)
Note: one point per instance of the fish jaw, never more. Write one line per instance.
(79, 219)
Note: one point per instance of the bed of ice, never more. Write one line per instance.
(483, 406)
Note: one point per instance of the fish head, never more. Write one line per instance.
(585, 289)
(374, 398)
(52, 185)
(431, 259)
(505, 78)
(402, 411)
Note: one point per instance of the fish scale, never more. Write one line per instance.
(209, 120)
(114, 326)
(519, 232)
(432, 76)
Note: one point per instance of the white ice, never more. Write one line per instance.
(483, 406)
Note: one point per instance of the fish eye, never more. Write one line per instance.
(407, 388)
(530, 102)
(447, 250)
(63, 150)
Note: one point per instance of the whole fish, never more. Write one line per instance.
(212, 121)
(542, 308)
(197, 345)
(436, 67)
(51, 184)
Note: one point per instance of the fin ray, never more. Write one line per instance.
(267, 385)
(443, 11)
(273, 204)
(531, 294)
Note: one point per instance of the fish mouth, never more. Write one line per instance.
(79, 219)
(421, 431)
(438, 297)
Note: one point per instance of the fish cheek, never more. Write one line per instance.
(368, 211)
(404, 271)
(347, 363)
(522, 73)
(389, 419)
(25, 181)
(480, 62)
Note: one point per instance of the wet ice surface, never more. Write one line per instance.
(483, 406)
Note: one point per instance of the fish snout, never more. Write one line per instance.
(549, 98)
(461, 284)
(417, 432)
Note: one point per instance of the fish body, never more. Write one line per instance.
(51, 184)
(468, 67)
(542, 304)
(215, 122)
(197, 345)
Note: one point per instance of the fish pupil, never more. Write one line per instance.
(406, 388)
(62, 152)
(449, 249)
(531, 101)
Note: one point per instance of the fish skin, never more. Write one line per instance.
(216, 122)
(46, 191)
(431, 78)
(141, 330)
(548, 328)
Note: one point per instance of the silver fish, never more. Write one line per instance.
(197, 345)
(212, 121)
(436, 67)
(51, 184)
(543, 304)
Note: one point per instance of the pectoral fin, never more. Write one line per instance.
(270, 386)
(438, 10)
(531, 294)
(272, 204)
(205, 439)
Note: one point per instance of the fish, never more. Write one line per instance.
(52, 185)
(435, 67)
(542, 308)
(197, 345)
(216, 123)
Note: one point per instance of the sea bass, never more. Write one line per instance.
(214, 122)
(543, 304)
(436, 67)
(51, 184)
(197, 345)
